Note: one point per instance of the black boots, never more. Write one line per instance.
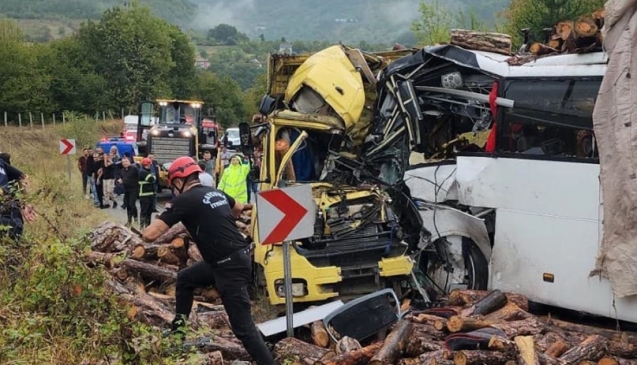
(177, 327)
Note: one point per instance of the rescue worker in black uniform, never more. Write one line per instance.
(209, 216)
(13, 213)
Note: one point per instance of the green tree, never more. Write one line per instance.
(182, 76)
(135, 50)
(223, 95)
(23, 80)
(434, 24)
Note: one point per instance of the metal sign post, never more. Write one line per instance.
(285, 215)
(287, 282)
(67, 147)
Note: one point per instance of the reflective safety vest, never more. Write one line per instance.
(147, 186)
(233, 182)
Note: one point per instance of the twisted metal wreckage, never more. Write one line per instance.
(385, 141)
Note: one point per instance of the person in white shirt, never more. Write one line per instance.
(205, 178)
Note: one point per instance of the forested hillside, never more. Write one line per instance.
(348, 21)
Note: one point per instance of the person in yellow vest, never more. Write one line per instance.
(234, 180)
(146, 192)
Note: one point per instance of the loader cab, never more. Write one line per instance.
(178, 131)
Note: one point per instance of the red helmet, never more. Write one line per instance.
(182, 167)
(146, 161)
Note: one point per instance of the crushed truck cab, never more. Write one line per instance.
(319, 113)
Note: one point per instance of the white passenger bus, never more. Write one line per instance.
(524, 215)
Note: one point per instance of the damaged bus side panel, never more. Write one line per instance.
(505, 170)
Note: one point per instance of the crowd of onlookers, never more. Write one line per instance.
(111, 180)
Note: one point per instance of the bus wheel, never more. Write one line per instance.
(458, 265)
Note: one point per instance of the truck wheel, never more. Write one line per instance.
(467, 267)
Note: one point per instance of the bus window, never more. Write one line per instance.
(550, 117)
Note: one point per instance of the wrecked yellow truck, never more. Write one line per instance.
(318, 112)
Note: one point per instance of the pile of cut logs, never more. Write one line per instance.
(473, 327)
(580, 36)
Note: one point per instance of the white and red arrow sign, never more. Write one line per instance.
(67, 146)
(285, 214)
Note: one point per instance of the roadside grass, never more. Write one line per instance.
(54, 309)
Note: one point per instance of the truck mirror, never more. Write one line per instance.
(245, 134)
(268, 104)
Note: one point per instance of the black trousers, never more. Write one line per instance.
(146, 206)
(100, 192)
(130, 200)
(85, 178)
(231, 280)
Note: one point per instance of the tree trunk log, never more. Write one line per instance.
(426, 330)
(172, 233)
(394, 345)
(622, 349)
(557, 349)
(424, 358)
(148, 309)
(290, 348)
(585, 27)
(166, 254)
(438, 323)
(109, 260)
(590, 349)
(526, 349)
(629, 337)
(145, 251)
(319, 334)
(482, 41)
(229, 349)
(526, 327)
(148, 271)
(214, 320)
(479, 357)
(359, 357)
(466, 324)
(510, 312)
(418, 345)
(468, 297)
(540, 49)
(345, 345)
(111, 237)
(193, 253)
(564, 29)
(492, 302)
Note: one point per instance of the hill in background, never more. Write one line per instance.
(349, 21)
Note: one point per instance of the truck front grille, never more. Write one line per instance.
(167, 149)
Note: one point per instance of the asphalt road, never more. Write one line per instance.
(119, 215)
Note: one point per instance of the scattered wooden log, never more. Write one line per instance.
(525, 327)
(585, 27)
(466, 297)
(145, 251)
(466, 324)
(109, 260)
(148, 271)
(394, 345)
(630, 337)
(557, 349)
(564, 29)
(211, 358)
(590, 349)
(358, 357)
(526, 349)
(490, 303)
(622, 349)
(424, 358)
(482, 41)
(510, 312)
(419, 345)
(230, 350)
(214, 320)
(291, 349)
(479, 357)
(346, 344)
(539, 49)
(172, 233)
(111, 237)
(194, 254)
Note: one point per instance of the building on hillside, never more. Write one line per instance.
(285, 48)
(201, 62)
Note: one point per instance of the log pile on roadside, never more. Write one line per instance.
(475, 327)
(583, 35)
(143, 277)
